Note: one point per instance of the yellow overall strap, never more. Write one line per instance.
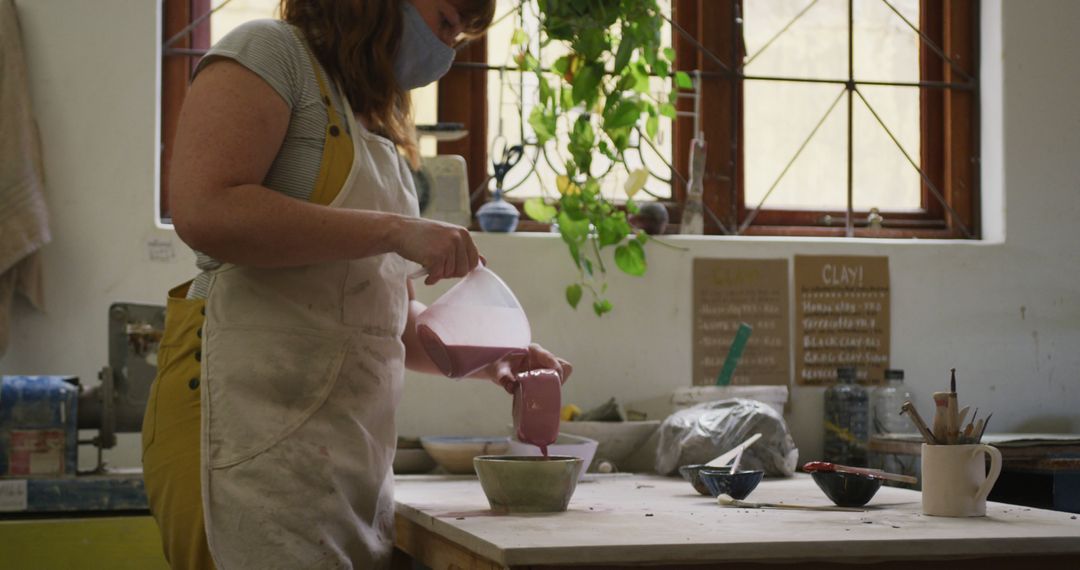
(337, 157)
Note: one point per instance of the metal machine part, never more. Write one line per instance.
(118, 403)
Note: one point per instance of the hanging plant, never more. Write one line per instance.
(600, 93)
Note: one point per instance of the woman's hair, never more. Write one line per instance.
(356, 42)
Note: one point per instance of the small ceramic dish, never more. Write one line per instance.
(847, 489)
(692, 475)
(724, 482)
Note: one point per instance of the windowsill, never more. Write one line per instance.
(676, 239)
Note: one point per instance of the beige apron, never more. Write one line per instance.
(302, 371)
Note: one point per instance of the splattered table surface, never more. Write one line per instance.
(641, 519)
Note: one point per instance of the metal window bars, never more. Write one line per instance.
(642, 143)
(850, 88)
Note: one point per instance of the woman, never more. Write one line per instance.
(269, 434)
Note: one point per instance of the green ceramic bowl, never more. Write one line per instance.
(528, 484)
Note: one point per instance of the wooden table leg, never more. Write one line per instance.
(435, 551)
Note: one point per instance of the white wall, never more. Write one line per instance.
(1005, 312)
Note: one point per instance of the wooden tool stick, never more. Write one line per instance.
(916, 419)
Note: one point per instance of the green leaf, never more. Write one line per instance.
(601, 307)
(561, 65)
(631, 258)
(683, 81)
(635, 181)
(620, 138)
(582, 139)
(652, 126)
(547, 94)
(543, 123)
(625, 113)
(626, 49)
(573, 295)
(632, 207)
(529, 62)
(519, 37)
(587, 84)
(642, 238)
(641, 77)
(573, 231)
(661, 68)
(610, 232)
(591, 43)
(536, 209)
(667, 110)
(669, 54)
(566, 100)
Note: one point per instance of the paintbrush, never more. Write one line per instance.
(726, 501)
(917, 420)
(826, 467)
(954, 418)
(953, 426)
(982, 428)
(941, 417)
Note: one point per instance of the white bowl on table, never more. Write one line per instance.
(565, 445)
(455, 454)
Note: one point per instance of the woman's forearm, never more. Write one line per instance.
(255, 226)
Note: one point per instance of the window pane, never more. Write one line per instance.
(237, 12)
(886, 49)
(884, 179)
(808, 39)
(813, 45)
(779, 117)
(511, 97)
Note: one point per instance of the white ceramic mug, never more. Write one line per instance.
(954, 479)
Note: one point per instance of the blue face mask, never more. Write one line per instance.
(422, 58)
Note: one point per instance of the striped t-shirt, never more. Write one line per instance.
(274, 51)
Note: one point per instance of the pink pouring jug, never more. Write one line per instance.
(537, 402)
(475, 323)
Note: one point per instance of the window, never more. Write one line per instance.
(823, 117)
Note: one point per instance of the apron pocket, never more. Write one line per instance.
(261, 384)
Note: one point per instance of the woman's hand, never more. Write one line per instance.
(502, 371)
(445, 250)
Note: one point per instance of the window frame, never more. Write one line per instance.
(179, 55)
(949, 121)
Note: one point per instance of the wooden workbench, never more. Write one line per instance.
(620, 520)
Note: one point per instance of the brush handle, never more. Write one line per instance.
(826, 467)
(877, 473)
(727, 501)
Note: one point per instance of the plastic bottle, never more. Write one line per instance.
(847, 420)
(885, 404)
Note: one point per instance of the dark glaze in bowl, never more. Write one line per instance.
(847, 489)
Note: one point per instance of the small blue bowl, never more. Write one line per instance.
(736, 485)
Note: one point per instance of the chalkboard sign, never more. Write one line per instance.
(728, 292)
(841, 317)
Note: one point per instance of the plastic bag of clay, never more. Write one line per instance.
(706, 431)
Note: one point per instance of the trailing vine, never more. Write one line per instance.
(602, 95)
